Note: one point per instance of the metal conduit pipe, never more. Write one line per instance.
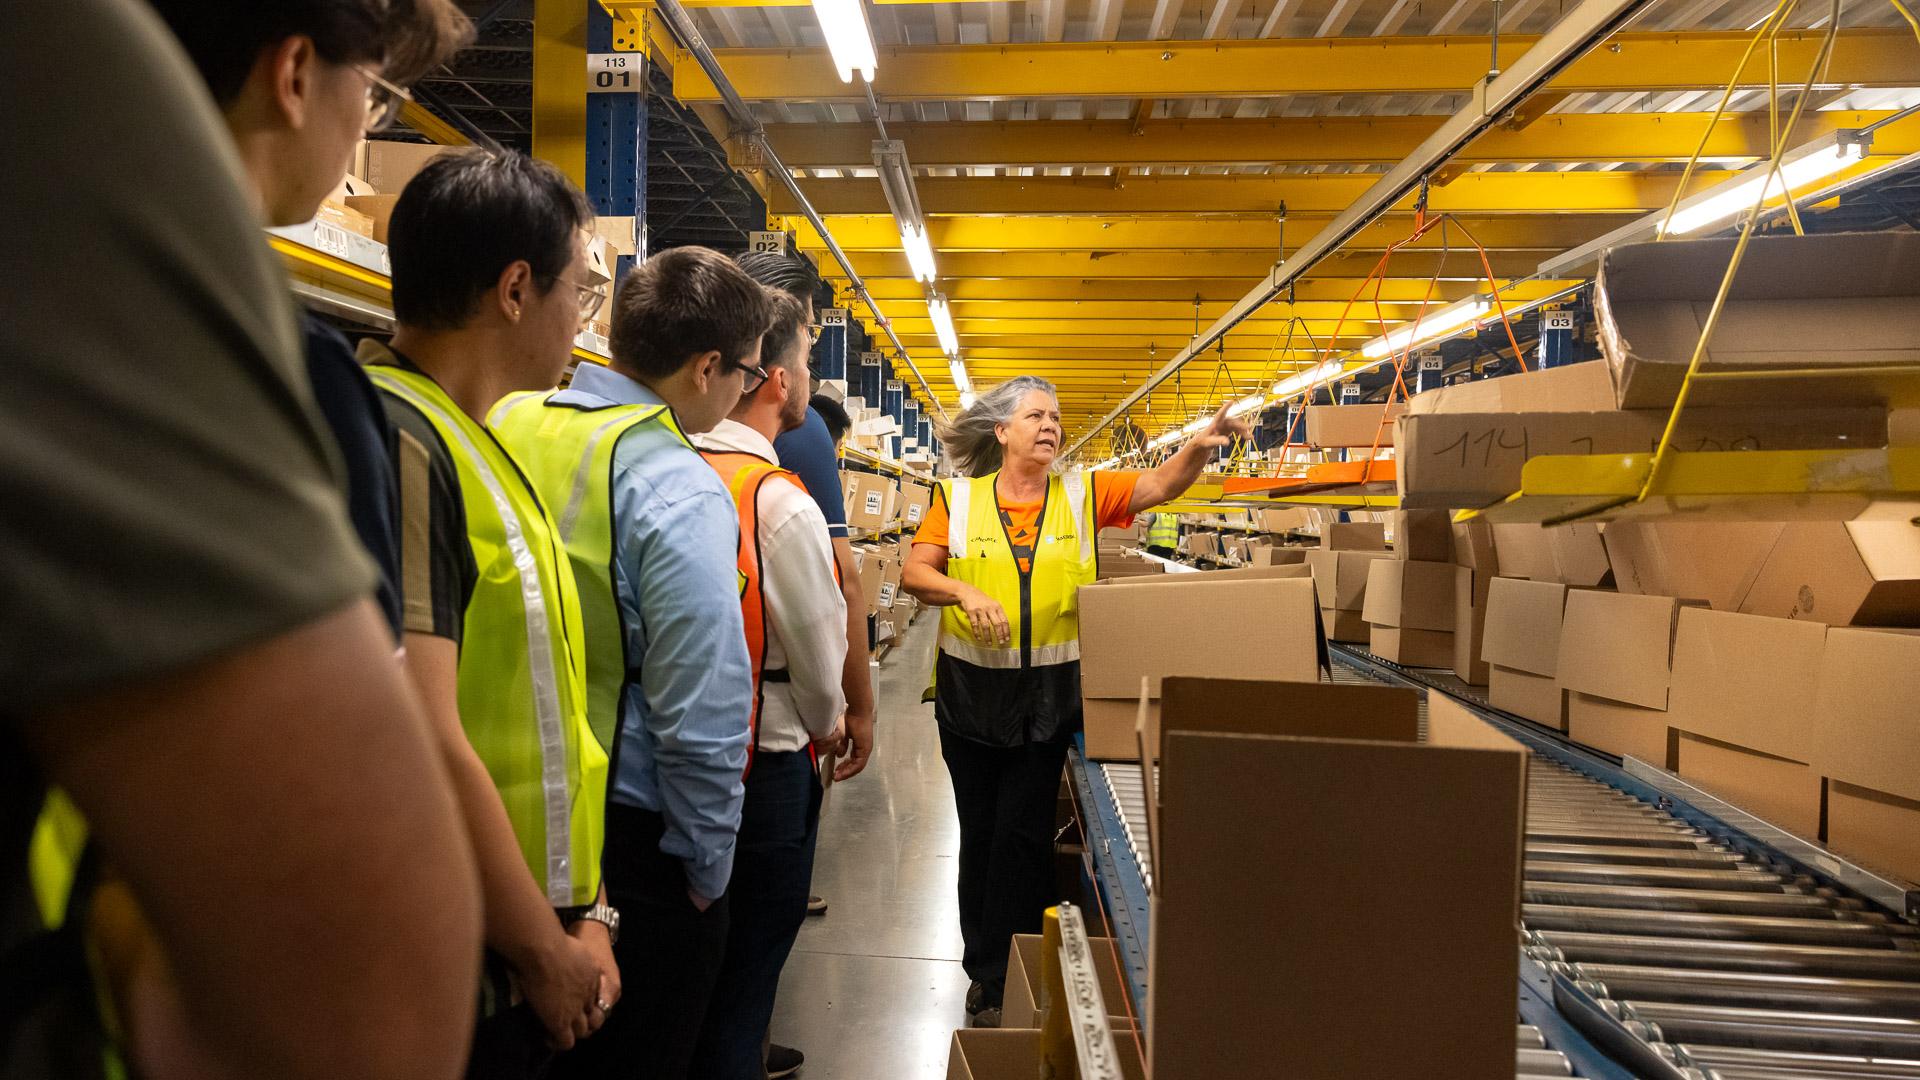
(1582, 29)
(683, 28)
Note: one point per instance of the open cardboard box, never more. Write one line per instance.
(1254, 971)
(1750, 681)
(1844, 573)
(1878, 829)
(1021, 1007)
(1652, 299)
(1586, 387)
(1717, 561)
(1014, 1054)
(1866, 721)
(1616, 663)
(1172, 625)
(1522, 649)
(1352, 425)
(1772, 788)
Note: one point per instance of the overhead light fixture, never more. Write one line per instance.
(890, 164)
(844, 24)
(1308, 379)
(1731, 198)
(1246, 405)
(919, 253)
(959, 372)
(1437, 325)
(966, 399)
(943, 325)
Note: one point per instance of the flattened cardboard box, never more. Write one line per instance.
(1157, 627)
(1248, 955)
(1774, 789)
(1651, 300)
(1749, 681)
(1866, 723)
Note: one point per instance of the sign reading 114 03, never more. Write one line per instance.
(615, 73)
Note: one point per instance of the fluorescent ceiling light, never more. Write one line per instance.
(1107, 464)
(1308, 379)
(966, 399)
(844, 24)
(943, 324)
(959, 372)
(1437, 325)
(1246, 405)
(1735, 197)
(919, 252)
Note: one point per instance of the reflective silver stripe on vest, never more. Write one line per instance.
(583, 478)
(1008, 659)
(546, 692)
(1075, 483)
(959, 503)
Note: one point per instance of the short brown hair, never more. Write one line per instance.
(403, 38)
(683, 302)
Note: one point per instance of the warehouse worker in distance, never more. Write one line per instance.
(1163, 534)
(1003, 548)
(192, 651)
(654, 536)
(489, 262)
(795, 617)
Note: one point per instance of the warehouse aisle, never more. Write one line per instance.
(874, 988)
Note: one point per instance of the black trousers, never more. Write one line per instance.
(511, 1045)
(1160, 550)
(1005, 797)
(767, 902)
(669, 954)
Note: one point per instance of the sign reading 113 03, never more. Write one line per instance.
(616, 72)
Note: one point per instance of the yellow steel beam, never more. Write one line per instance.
(1307, 140)
(1475, 194)
(560, 86)
(1215, 290)
(1273, 67)
(1079, 343)
(1094, 331)
(1171, 311)
(872, 232)
(1179, 266)
(428, 123)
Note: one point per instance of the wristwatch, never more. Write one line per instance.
(606, 915)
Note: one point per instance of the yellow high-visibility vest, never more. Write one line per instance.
(1165, 531)
(1043, 609)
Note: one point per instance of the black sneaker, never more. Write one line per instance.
(783, 1061)
(976, 998)
(987, 1018)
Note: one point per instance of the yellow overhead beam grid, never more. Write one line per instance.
(1209, 289)
(1176, 311)
(866, 232)
(1274, 67)
(1306, 140)
(874, 266)
(1096, 331)
(1472, 194)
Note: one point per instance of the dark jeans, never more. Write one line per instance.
(511, 1045)
(1005, 796)
(767, 902)
(1163, 552)
(669, 955)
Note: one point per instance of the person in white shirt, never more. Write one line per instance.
(795, 615)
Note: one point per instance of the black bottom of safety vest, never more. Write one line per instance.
(1007, 707)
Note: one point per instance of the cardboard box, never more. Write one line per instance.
(1411, 595)
(1866, 718)
(1274, 555)
(1470, 590)
(1716, 561)
(1353, 536)
(1475, 459)
(1749, 681)
(1774, 789)
(1651, 301)
(1879, 830)
(1864, 572)
(1473, 546)
(1584, 387)
(391, 164)
(1185, 613)
(1422, 535)
(1014, 1054)
(1021, 1005)
(378, 210)
(1409, 647)
(890, 595)
(1347, 626)
(1619, 646)
(1283, 520)
(1524, 551)
(1619, 728)
(1579, 554)
(1441, 820)
(1524, 623)
(1539, 698)
(867, 500)
(1342, 577)
(873, 578)
(340, 215)
(1352, 425)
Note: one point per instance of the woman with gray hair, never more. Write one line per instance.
(1004, 550)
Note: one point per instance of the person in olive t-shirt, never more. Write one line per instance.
(190, 652)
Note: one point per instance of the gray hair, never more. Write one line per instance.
(970, 444)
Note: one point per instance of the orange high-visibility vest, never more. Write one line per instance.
(745, 474)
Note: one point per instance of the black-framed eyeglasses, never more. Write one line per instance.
(590, 298)
(814, 330)
(385, 99)
(752, 376)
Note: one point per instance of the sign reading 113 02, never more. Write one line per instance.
(616, 72)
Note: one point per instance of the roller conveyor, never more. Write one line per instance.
(1706, 954)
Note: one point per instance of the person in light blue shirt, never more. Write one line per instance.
(687, 325)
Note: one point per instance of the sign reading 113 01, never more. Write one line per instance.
(616, 73)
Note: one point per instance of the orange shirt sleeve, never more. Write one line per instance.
(1112, 495)
(933, 524)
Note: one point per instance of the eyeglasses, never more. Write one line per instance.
(385, 99)
(752, 376)
(814, 330)
(591, 298)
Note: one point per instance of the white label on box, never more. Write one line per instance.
(886, 594)
(331, 239)
(1557, 320)
(913, 513)
(875, 501)
(767, 243)
(616, 73)
(833, 316)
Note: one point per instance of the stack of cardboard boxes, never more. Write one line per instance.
(1341, 568)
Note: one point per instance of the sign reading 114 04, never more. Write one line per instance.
(615, 73)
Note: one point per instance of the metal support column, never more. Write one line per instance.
(1556, 338)
(616, 133)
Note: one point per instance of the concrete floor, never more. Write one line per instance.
(874, 987)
